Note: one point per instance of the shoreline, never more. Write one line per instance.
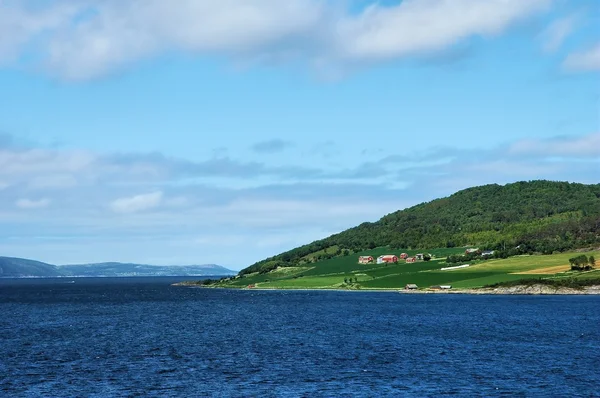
(523, 290)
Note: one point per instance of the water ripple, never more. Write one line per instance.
(150, 339)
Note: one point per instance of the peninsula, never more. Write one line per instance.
(538, 237)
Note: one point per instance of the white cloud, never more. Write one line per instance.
(555, 34)
(423, 26)
(137, 203)
(83, 40)
(126, 31)
(32, 204)
(581, 146)
(584, 61)
(18, 26)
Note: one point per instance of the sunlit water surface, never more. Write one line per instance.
(143, 337)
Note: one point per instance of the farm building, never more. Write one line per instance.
(388, 258)
(404, 256)
(365, 259)
(469, 251)
(419, 256)
(411, 286)
(441, 287)
(411, 259)
(488, 253)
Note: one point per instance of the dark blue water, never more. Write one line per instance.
(142, 337)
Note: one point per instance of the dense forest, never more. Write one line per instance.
(535, 216)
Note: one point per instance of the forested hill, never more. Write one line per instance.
(537, 216)
(20, 267)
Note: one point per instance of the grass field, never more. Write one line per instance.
(330, 274)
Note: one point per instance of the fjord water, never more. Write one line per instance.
(143, 337)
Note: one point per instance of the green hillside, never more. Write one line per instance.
(536, 216)
(347, 273)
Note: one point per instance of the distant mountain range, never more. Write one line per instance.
(11, 267)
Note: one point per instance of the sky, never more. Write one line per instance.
(197, 131)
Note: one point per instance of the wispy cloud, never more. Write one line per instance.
(32, 204)
(406, 29)
(137, 203)
(586, 60)
(576, 147)
(41, 167)
(150, 200)
(82, 40)
(271, 146)
(558, 31)
(20, 25)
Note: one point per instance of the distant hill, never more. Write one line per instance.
(11, 267)
(537, 216)
(128, 269)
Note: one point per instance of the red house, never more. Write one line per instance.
(389, 258)
(365, 259)
(404, 256)
(411, 259)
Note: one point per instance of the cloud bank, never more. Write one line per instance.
(83, 40)
(74, 206)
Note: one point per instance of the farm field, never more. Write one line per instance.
(346, 273)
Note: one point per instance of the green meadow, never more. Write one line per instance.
(346, 273)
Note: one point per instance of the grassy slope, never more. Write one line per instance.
(331, 273)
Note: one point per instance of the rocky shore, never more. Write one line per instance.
(538, 289)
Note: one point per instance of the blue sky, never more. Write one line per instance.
(192, 131)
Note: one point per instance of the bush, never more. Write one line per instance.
(582, 263)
